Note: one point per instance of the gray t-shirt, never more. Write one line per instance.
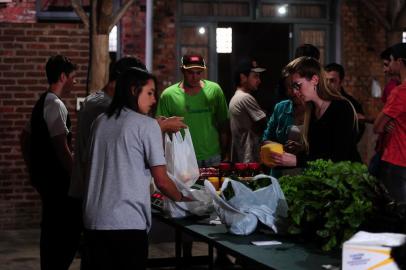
(94, 105)
(244, 112)
(55, 116)
(117, 195)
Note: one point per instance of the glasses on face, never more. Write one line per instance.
(296, 86)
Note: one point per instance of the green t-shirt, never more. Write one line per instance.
(202, 113)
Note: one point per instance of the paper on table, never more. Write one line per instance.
(266, 243)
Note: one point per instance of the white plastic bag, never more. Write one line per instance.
(237, 222)
(202, 204)
(182, 168)
(268, 205)
(181, 160)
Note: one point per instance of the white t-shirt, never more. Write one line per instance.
(122, 150)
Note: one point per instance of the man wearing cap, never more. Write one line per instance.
(247, 119)
(393, 170)
(204, 108)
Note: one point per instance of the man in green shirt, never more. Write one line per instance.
(204, 108)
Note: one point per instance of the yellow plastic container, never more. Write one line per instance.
(215, 181)
(266, 153)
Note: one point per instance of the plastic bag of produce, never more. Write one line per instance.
(202, 204)
(261, 198)
(237, 222)
(181, 160)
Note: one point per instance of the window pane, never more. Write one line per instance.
(315, 37)
(224, 40)
(295, 10)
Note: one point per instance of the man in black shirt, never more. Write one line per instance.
(335, 79)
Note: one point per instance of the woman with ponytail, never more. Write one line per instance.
(330, 121)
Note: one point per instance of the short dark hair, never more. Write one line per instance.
(385, 54)
(398, 51)
(115, 69)
(128, 88)
(307, 50)
(337, 68)
(57, 65)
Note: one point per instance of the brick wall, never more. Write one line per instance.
(24, 49)
(361, 50)
(165, 64)
(133, 31)
(363, 39)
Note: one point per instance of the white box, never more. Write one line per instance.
(371, 251)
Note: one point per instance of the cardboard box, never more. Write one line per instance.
(371, 251)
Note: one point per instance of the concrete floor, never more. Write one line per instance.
(19, 249)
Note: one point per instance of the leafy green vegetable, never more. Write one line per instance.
(228, 192)
(329, 201)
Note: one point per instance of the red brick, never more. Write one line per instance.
(26, 53)
(26, 39)
(27, 81)
(13, 74)
(37, 46)
(23, 67)
(5, 67)
(42, 60)
(15, 88)
(47, 39)
(12, 46)
(12, 103)
(7, 38)
(13, 60)
(13, 32)
(7, 82)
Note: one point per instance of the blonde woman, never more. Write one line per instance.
(330, 122)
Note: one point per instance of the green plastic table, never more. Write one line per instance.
(289, 255)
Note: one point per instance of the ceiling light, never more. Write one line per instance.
(202, 30)
(282, 10)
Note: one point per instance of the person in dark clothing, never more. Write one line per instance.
(330, 120)
(46, 146)
(335, 79)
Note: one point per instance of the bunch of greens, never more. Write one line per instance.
(228, 192)
(329, 201)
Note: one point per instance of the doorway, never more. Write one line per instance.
(267, 43)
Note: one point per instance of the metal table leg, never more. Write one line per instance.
(211, 257)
